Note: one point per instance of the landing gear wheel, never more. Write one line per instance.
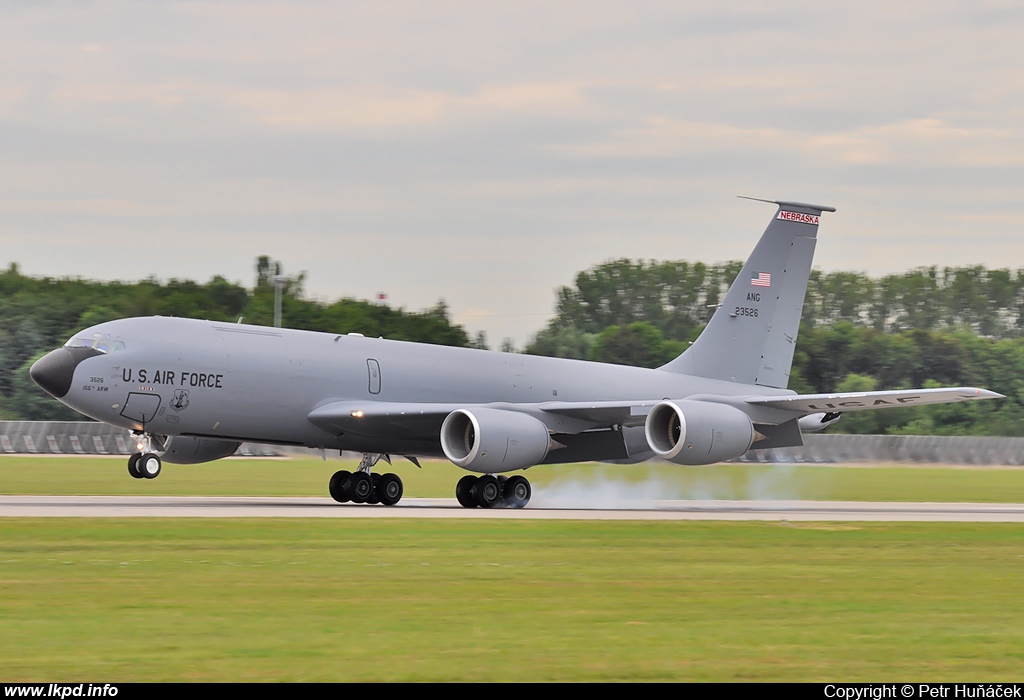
(374, 497)
(517, 492)
(360, 486)
(133, 466)
(149, 465)
(337, 486)
(464, 491)
(487, 491)
(390, 489)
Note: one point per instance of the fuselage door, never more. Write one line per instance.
(141, 407)
(374, 371)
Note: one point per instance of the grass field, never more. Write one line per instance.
(140, 600)
(425, 600)
(586, 483)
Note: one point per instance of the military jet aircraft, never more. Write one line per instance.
(191, 391)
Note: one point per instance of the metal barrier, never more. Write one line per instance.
(83, 438)
(922, 449)
(86, 438)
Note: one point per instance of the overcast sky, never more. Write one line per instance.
(486, 152)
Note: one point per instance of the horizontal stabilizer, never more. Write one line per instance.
(868, 400)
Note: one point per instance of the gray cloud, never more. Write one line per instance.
(484, 153)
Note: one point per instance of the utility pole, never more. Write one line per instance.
(278, 286)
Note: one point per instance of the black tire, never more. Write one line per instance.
(337, 486)
(517, 492)
(374, 497)
(390, 489)
(149, 465)
(133, 466)
(464, 491)
(487, 491)
(360, 486)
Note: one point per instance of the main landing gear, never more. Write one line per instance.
(146, 463)
(363, 487)
(489, 491)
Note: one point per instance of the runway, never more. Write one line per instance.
(309, 507)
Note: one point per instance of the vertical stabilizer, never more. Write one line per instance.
(752, 335)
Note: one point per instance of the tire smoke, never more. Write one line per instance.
(606, 488)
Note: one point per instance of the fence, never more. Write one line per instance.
(85, 438)
(88, 438)
(929, 449)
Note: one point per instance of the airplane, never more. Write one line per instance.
(191, 391)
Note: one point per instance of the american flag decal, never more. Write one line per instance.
(761, 279)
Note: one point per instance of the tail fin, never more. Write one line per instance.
(751, 337)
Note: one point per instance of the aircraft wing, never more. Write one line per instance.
(605, 413)
(868, 400)
(415, 420)
(373, 419)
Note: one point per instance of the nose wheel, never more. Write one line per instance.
(146, 463)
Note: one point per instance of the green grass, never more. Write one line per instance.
(308, 477)
(326, 600)
(482, 600)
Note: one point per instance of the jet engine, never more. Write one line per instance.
(191, 450)
(698, 432)
(491, 440)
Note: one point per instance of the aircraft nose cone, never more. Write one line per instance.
(54, 371)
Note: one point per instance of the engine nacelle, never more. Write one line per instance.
(698, 432)
(191, 450)
(490, 440)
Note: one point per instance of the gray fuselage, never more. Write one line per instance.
(176, 376)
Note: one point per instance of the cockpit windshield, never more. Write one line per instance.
(99, 341)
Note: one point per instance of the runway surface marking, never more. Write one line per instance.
(313, 507)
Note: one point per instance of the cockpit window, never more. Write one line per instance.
(102, 342)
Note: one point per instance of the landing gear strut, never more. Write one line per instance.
(146, 463)
(364, 487)
(489, 491)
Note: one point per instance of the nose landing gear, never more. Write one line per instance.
(146, 463)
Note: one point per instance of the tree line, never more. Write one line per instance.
(678, 298)
(925, 327)
(921, 328)
(40, 314)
